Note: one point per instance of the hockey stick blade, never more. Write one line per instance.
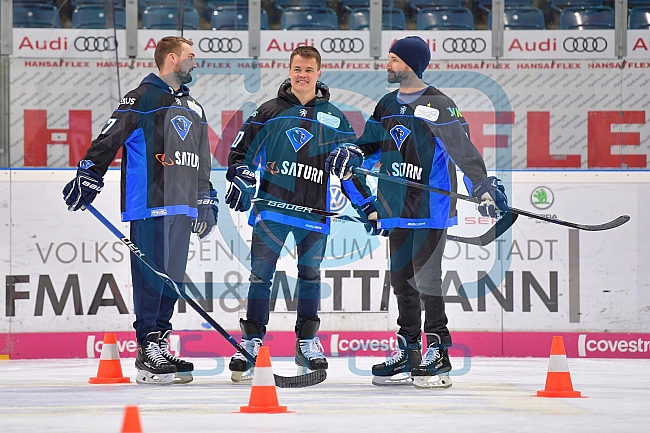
(587, 227)
(301, 381)
(483, 240)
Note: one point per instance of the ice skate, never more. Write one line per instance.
(153, 368)
(183, 368)
(433, 371)
(242, 370)
(309, 350)
(396, 370)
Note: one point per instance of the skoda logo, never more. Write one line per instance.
(220, 45)
(542, 197)
(338, 201)
(95, 44)
(341, 45)
(585, 45)
(464, 45)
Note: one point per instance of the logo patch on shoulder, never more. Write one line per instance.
(182, 126)
(195, 107)
(427, 113)
(298, 137)
(399, 134)
(328, 119)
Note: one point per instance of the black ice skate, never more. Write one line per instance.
(396, 370)
(309, 351)
(251, 340)
(183, 368)
(433, 371)
(153, 368)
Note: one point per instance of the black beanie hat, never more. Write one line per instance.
(414, 52)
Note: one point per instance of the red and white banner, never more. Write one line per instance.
(335, 45)
(207, 344)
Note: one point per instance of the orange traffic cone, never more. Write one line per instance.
(264, 398)
(558, 378)
(131, 420)
(110, 369)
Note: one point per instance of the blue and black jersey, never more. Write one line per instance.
(421, 138)
(290, 142)
(166, 153)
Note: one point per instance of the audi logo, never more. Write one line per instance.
(220, 45)
(464, 45)
(585, 45)
(341, 45)
(96, 44)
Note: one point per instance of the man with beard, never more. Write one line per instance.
(289, 137)
(166, 194)
(417, 133)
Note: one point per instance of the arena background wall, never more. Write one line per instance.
(545, 117)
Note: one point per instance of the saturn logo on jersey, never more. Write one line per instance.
(305, 171)
(408, 170)
(182, 126)
(298, 137)
(187, 159)
(163, 159)
(399, 134)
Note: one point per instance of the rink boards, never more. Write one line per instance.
(67, 278)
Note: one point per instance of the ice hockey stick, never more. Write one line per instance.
(301, 381)
(592, 228)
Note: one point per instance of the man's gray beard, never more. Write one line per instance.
(183, 77)
(397, 77)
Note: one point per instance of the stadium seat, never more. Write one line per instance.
(417, 5)
(164, 17)
(560, 5)
(309, 19)
(235, 18)
(391, 19)
(523, 18)
(301, 4)
(94, 17)
(445, 19)
(486, 5)
(36, 16)
(148, 3)
(33, 2)
(350, 5)
(640, 18)
(635, 3)
(598, 17)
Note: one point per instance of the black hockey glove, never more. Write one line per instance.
(493, 197)
(369, 211)
(342, 159)
(208, 207)
(83, 188)
(241, 189)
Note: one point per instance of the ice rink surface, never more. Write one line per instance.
(491, 394)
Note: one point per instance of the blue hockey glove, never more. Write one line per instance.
(342, 159)
(493, 197)
(241, 189)
(369, 211)
(208, 207)
(83, 188)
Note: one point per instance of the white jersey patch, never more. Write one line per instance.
(328, 119)
(428, 113)
(195, 107)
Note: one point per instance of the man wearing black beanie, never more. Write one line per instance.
(417, 133)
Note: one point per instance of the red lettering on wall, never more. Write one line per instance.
(357, 121)
(477, 120)
(37, 136)
(231, 123)
(539, 146)
(600, 139)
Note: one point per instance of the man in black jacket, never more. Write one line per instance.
(289, 138)
(166, 194)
